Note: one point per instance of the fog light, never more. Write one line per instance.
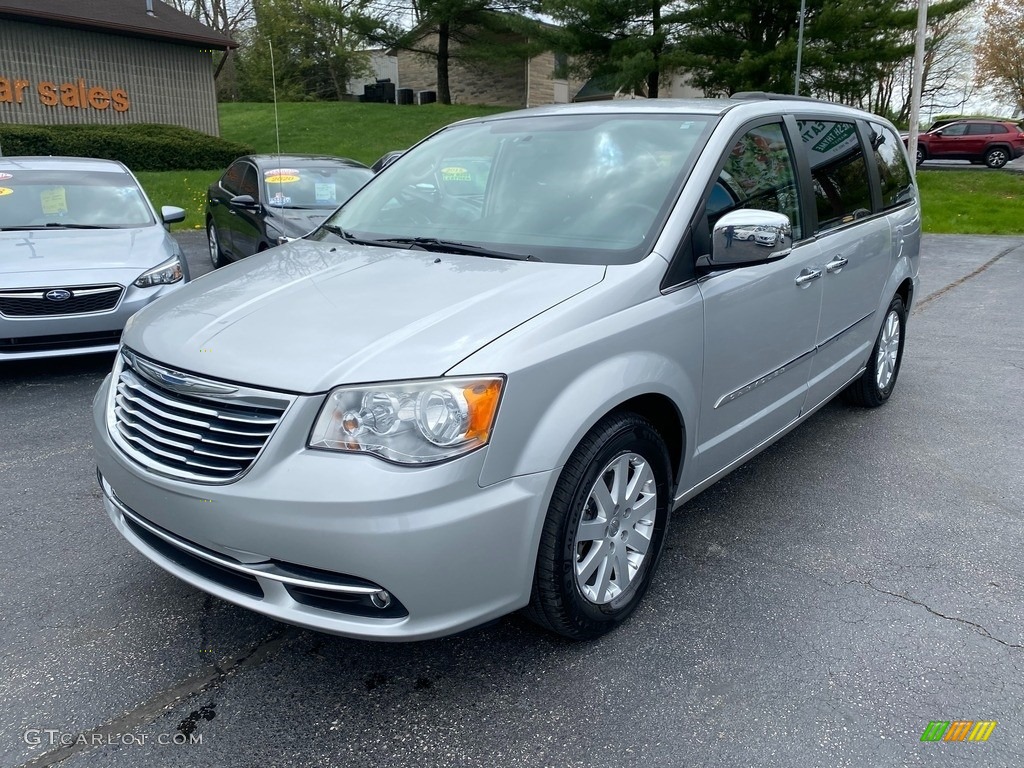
(380, 599)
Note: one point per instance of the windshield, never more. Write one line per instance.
(322, 186)
(56, 198)
(579, 188)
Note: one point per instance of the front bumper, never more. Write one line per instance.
(449, 554)
(27, 338)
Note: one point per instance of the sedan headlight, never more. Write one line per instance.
(162, 274)
(410, 422)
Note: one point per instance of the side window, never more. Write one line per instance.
(250, 184)
(996, 128)
(232, 178)
(956, 129)
(758, 173)
(842, 192)
(897, 184)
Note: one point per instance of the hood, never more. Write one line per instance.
(80, 256)
(296, 222)
(307, 316)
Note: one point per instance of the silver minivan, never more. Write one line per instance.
(485, 382)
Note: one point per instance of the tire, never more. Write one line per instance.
(997, 157)
(584, 587)
(216, 254)
(877, 382)
(921, 154)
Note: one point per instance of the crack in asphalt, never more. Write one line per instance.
(981, 630)
(149, 711)
(920, 306)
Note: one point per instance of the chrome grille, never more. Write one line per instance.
(209, 438)
(80, 300)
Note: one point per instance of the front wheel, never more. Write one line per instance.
(997, 157)
(879, 378)
(604, 529)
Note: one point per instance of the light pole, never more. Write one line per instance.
(918, 83)
(800, 47)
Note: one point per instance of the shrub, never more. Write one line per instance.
(145, 147)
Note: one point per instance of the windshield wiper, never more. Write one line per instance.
(450, 246)
(334, 229)
(429, 244)
(53, 225)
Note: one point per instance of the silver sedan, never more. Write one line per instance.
(81, 251)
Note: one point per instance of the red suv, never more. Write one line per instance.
(991, 142)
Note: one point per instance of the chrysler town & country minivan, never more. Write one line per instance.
(485, 382)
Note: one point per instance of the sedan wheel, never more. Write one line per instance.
(604, 529)
(996, 157)
(920, 155)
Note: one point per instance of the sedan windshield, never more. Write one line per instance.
(578, 188)
(71, 199)
(324, 187)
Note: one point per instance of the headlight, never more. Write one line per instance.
(410, 422)
(162, 274)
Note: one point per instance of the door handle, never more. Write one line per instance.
(807, 276)
(836, 264)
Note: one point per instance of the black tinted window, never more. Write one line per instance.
(956, 129)
(897, 184)
(250, 184)
(232, 178)
(841, 189)
(758, 173)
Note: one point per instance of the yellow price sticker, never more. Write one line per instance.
(6, 191)
(54, 200)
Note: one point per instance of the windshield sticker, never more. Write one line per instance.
(281, 176)
(455, 173)
(6, 176)
(54, 200)
(6, 191)
(280, 200)
(326, 192)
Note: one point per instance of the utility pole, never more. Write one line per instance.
(918, 82)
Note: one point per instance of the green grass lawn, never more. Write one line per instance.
(976, 202)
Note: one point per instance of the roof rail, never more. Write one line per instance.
(766, 96)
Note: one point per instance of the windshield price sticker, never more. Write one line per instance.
(6, 176)
(281, 176)
(54, 200)
(326, 192)
(6, 191)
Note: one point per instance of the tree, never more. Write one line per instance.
(315, 48)
(630, 42)
(737, 45)
(999, 55)
(946, 80)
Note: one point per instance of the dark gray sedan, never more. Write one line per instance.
(266, 200)
(81, 250)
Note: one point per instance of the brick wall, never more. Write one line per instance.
(470, 81)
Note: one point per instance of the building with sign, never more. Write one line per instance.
(107, 62)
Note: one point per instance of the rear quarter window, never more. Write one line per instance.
(893, 170)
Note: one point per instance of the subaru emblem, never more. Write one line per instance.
(58, 294)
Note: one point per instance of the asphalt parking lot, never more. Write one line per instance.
(818, 607)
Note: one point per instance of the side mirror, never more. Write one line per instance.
(244, 201)
(172, 214)
(386, 159)
(748, 236)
